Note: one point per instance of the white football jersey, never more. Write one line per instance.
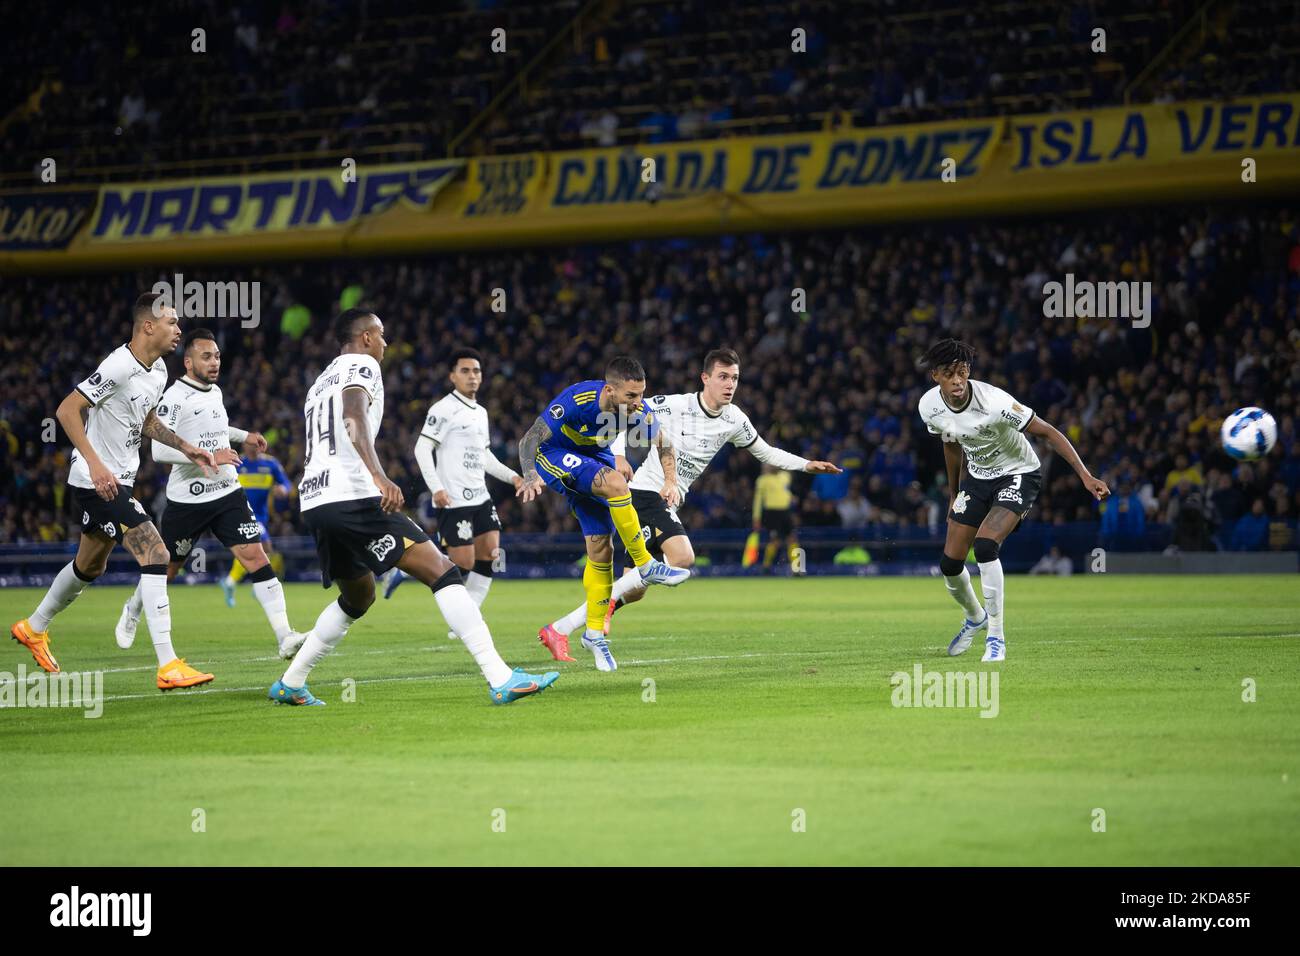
(696, 434)
(990, 429)
(332, 469)
(197, 414)
(460, 427)
(122, 392)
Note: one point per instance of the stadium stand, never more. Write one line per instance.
(1144, 410)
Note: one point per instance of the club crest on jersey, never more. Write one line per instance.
(557, 411)
(183, 547)
(959, 505)
(135, 503)
(465, 530)
(380, 547)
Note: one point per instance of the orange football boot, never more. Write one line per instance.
(179, 674)
(38, 642)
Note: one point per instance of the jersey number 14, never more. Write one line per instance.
(324, 430)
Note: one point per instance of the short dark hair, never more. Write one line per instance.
(345, 324)
(720, 357)
(459, 354)
(947, 352)
(624, 368)
(195, 335)
(143, 308)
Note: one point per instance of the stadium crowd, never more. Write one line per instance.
(838, 381)
(306, 82)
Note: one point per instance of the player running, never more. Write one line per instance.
(198, 504)
(261, 477)
(698, 424)
(456, 429)
(571, 445)
(984, 428)
(107, 416)
(353, 509)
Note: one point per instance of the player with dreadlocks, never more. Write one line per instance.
(993, 479)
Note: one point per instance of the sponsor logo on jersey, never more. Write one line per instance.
(1011, 494)
(196, 488)
(109, 529)
(468, 494)
(380, 547)
(310, 487)
(250, 530)
(1011, 417)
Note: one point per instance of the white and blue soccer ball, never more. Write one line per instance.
(1248, 433)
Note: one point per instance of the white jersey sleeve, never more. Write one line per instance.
(106, 380)
(1008, 409)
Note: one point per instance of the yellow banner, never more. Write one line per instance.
(1245, 149)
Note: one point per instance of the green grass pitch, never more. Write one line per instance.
(771, 697)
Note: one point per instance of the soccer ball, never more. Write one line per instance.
(1248, 433)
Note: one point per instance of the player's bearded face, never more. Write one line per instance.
(625, 396)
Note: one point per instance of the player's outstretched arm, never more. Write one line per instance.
(355, 404)
(787, 461)
(499, 470)
(1061, 445)
(532, 484)
(71, 414)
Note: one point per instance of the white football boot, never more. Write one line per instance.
(595, 642)
(967, 633)
(126, 627)
(995, 650)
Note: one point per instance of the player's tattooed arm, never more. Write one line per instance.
(153, 428)
(355, 404)
(668, 460)
(1061, 445)
(532, 484)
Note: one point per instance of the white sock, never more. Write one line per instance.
(135, 604)
(330, 628)
(62, 592)
(629, 583)
(477, 585)
(991, 585)
(270, 594)
(158, 612)
(463, 617)
(959, 587)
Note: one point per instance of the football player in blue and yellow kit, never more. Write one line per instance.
(567, 449)
(261, 477)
